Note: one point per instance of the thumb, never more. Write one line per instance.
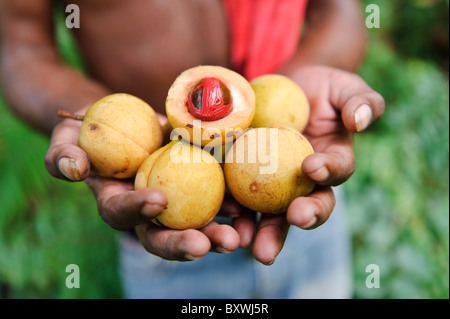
(64, 159)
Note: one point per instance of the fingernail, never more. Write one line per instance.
(311, 223)
(222, 249)
(363, 117)
(68, 167)
(190, 257)
(270, 263)
(320, 175)
(151, 210)
(157, 198)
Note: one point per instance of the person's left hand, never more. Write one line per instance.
(341, 104)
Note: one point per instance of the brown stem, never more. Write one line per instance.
(65, 114)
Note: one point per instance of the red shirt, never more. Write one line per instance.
(264, 33)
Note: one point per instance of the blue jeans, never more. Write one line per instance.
(312, 264)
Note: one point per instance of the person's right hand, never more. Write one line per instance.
(124, 208)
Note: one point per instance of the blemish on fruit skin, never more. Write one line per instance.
(230, 134)
(253, 187)
(121, 171)
(213, 136)
(93, 127)
(292, 118)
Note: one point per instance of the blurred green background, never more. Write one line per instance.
(398, 198)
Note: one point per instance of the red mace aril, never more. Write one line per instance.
(209, 100)
(210, 105)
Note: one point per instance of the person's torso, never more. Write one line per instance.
(140, 46)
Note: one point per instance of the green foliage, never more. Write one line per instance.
(416, 28)
(398, 196)
(47, 224)
(66, 43)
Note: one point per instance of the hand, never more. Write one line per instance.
(341, 104)
(267, 235)
(124, 208)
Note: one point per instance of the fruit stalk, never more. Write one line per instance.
(68, 115)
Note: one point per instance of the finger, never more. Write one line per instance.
(270, 236)
(163, 120)
(64, 159)
(244, 220)
(184, 245)
(333, 166)
(311, 211)
(359, 104)
(223, 238)
(231, 208)
(245, 225)
(122, 207)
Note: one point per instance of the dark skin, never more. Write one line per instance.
(139, 47)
